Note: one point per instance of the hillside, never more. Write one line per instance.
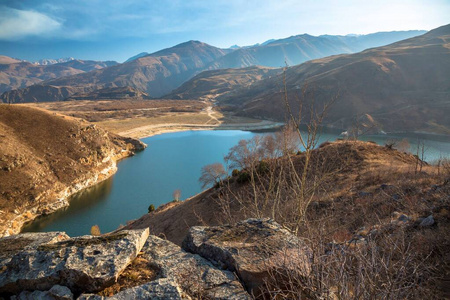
(5, 60)
(15, 74)
(210, 84)
(45, 157)
(352, 164)
(367, 198)
(402, 86)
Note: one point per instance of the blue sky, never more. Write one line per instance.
(118, 29)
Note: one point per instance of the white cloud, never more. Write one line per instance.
(15, 24)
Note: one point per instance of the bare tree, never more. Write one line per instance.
(305, 188)
(176, 195)
(212, 174)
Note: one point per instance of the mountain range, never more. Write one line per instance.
(159, 73)
(16, 74)
(404, 86)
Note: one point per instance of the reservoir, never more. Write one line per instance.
(172, 161)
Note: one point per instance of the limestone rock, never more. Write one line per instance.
(159, 289)
(84, 263)
(57, 292)
(194, 274)
(12, 245)
(252, 248)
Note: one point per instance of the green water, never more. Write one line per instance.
(171, 161)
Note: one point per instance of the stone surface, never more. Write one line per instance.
(428, 221)
(12, 245)
(159, 289)
(84, 264)
(194, 274)
(252, 248)
(57, 292)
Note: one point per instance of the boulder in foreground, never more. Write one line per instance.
(83, 264)
(254, 248)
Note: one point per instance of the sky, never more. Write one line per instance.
(119, 29)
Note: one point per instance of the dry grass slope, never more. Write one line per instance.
(373, 200)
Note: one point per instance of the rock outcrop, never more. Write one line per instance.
(57, 292)
(193, 273)
(158, 289)
(13, 245)
(254, 249)
(84, 263)
(55, 266)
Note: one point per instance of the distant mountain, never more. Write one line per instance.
(6, 60)
(211, 84)
(23, 74)
(88, 65)
(159, 73)
(298, 49)
(156, 74)
(16, 74)
(404, 86)
(137, 56)
(45, 61)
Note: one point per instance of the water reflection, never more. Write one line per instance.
(80, 202)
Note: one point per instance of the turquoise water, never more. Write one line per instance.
(172, 161)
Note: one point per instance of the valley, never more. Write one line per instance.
(143, 118)
(298, 166)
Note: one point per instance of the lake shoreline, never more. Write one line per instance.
(152, 130)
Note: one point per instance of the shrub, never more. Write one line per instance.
(263, 167)
(95, 230)
(243, 177)
(151, 208)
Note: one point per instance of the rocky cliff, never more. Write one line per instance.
(45, 158)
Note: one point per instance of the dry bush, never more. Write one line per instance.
(95, 230)
(378, 268)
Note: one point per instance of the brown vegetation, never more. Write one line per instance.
(140, 271)
(108, 110)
